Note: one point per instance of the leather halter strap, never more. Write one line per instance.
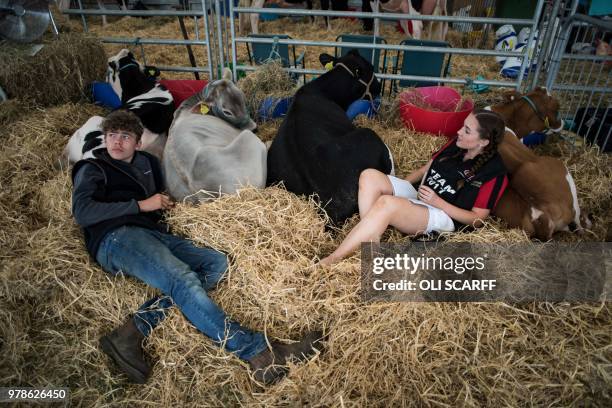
(364, 83)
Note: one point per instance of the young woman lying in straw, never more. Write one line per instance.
(460, 186)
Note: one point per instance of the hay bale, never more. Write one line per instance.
(57, 74)
(268, 80)
(11, 110)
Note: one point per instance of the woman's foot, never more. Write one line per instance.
(328, 261)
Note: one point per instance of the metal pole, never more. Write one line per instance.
(83, 17)
(233, 40)
(545, 41)
(55, 30)
(220, 37)
(226, 45)
(530, 43)
(561, 42)
(208, 53)
(189, 50)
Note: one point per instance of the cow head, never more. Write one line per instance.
(128, 77)
(541, 110)
(351, 77)
(227, 102)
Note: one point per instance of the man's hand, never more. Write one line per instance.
(156, 202)
(427, 195)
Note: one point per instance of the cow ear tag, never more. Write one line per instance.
(204, 109)
(329, 66)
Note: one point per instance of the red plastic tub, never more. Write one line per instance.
(446, 118)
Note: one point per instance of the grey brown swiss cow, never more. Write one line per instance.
(211, 146)
(541, 197)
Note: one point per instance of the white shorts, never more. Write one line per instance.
(438, 220)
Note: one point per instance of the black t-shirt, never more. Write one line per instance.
(452, 179)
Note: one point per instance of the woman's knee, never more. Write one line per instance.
(385, 204)
(371, 178)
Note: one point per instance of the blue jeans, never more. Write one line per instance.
(182, 272)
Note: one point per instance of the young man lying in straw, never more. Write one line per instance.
(118, 201)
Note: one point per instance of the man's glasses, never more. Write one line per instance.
(122, 136)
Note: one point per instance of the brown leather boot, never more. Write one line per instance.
(124, 346)
(269, 366)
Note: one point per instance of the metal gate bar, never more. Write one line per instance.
(152, 41)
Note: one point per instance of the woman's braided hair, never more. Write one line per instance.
(491, 127)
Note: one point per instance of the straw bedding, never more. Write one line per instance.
(55, 302)
(57, 74)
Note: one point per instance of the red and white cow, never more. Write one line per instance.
(541, 197)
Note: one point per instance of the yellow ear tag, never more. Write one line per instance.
(329, 66)
(204, 109)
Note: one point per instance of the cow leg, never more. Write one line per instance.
(417, 25)
(255, 17)
(101, 7)
(325, 6)
(366, 7)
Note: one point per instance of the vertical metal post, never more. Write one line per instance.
(55, 30)
(530, 43)
(233, 40)
(560, 42)
(550, 28)
(220, 37)
(211, 74)
(83, 17)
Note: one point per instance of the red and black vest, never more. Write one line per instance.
(452, 179)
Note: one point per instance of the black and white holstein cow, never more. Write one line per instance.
(151, 102)
(211, 148)
(318, 150)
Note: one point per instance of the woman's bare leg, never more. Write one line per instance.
(398, 212)
(372, 185)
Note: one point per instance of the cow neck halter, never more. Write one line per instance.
(364, 83)
(131, 64)
(240, 123)
(540, 116)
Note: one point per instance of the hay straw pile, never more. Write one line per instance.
(57, 74)
(269, 80)
(55, 303)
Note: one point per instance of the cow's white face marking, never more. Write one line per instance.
(535, 213)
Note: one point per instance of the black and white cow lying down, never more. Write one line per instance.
(151, 102)
(318, 149)
(211, 146)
